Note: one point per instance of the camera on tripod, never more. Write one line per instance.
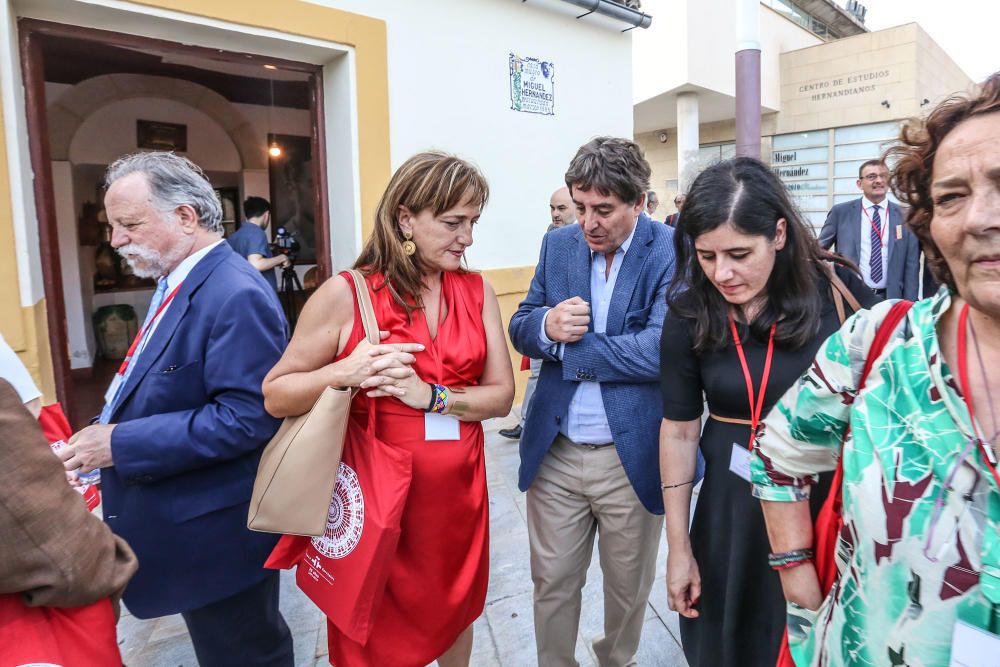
(286, 243)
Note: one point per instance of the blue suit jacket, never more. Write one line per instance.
(190, 429)
(625, 359)
(843, 229)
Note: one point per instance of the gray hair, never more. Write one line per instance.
(173, 181)
(613, 166)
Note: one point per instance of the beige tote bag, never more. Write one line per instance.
(298, 469)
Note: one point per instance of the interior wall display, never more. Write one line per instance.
(229, 199)
(532, 85)
(159, 136)
(293, 197)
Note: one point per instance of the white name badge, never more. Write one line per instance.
(109, 395)
(974, 647)
(739, 462)
(440, 427)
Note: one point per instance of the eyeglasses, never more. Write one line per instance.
(944, 538)
(871, 178)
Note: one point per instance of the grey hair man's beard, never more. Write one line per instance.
(150, 263)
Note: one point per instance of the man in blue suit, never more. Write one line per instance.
(593, 314)
(183, 427)
(870, 232)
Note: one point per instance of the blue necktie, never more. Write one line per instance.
(876, 238)
(154, 305)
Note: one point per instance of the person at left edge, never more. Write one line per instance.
(250, 240)
(180, 436)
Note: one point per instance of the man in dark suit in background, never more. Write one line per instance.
(184, 423)
(870, 232)
(672, 219)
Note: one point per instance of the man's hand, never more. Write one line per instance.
(88, 449)
(568, 321)
(285, 262)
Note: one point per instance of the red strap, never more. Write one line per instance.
(963, 376)
(142, 332)
(885, 222)
(756, 408)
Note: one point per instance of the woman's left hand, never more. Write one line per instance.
(409, 389)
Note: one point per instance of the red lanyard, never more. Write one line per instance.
(142, 332)
(755, 409)
(880, 232)
(963, 377)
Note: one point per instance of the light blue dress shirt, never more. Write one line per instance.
(587, 421)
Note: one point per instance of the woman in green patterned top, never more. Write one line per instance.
(919, 554)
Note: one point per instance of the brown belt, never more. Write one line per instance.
(583, 444)
(731, 420)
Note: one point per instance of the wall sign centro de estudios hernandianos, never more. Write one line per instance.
(532, 85)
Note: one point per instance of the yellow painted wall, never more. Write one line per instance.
(511, 285)
(25, 329)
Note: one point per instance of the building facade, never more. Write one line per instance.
(833, 94)
(343, 90)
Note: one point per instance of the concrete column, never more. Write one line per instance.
(687, 139)
(748, 79)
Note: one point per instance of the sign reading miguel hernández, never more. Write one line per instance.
(531, 85)
(842, 86)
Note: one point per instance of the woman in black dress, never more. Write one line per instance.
(751, 277)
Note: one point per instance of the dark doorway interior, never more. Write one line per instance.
(271, 97)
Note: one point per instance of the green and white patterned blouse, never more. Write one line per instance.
(920, 545)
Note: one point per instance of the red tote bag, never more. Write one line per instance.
(54, 637)
(830, 521)
(344, 571)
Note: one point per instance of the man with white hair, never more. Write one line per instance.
(183, 426)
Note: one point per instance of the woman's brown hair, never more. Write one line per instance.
(431, 180)
(914, 171)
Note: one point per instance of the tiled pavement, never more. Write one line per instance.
(504, 634)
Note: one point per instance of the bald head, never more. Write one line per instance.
(561, 208)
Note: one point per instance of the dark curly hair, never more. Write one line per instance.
(918, 145)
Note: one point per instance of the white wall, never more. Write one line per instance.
(693, 42)
(449, 89)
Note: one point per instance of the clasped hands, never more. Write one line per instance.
(386, 369)
(568, 320)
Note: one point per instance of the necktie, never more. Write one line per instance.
(154, 305)
(876, 239)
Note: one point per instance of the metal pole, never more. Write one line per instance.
(748, 79)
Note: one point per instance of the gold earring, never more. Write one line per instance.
(409, 247)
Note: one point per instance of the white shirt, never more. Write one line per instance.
(865, 256)
(174, 278)
(587, 421)
(14, 372)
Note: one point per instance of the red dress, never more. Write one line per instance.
(438, 578)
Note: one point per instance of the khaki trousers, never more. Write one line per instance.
(579, 492)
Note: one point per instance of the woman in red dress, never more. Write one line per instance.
(443, 351)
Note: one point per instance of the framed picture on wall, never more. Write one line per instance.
(159, 136)
(292, 192)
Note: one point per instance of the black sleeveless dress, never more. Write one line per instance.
(742, 607)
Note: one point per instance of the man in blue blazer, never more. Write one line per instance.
(870, 232)
(184, 424)
(593, 314)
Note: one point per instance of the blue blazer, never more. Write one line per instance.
(625, 359)
(190, 430)
(843, 229)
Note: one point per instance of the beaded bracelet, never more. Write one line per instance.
(439, 399)
(789, 559)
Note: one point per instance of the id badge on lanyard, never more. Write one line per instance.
(739, 460)
(438, 426)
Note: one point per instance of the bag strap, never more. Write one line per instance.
(840, 293)
(365, 307)
(885, 330)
